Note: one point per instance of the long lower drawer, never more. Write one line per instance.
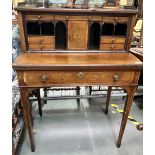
(112, 77)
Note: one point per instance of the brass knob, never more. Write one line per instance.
(39, 17)
(80, 75)
(113, 40)
(44, 78)
(66, 17)
(41, 47)
(116, 77)
(115, 18)
(90, 18)
(112, 46)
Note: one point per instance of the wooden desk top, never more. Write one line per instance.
(76, 61)
(138, 52)
(72, 10)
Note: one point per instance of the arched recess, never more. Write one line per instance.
(94, 36)
(60, 36)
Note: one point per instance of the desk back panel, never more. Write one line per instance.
(80, 30)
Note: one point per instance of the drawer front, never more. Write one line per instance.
(39, 17)
(115, 19)
(78, 18)
(35, 46)
(113, 40)
(77, 77)
(122, 19)
(111, 47)
(41, 39)
(58, 17)
(95, 18)
(108, 19)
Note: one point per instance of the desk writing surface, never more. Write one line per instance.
(52, 61)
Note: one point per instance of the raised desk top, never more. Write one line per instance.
(70, 10)
(75, 61)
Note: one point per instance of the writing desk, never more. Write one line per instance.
(40, 70)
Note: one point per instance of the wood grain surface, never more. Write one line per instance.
(107, 10)
(67, 61)
(78, 77)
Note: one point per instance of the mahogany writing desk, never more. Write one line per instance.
(92, 32)
(40, 70)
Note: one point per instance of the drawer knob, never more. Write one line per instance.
(113, 40)
(44, 78)
(41, 47)
(39, 17)
(116, 77)
(80, 75)
(112, 47)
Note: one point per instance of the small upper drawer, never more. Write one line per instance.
(111, 47)
(41, 47)
(80, 18)
(122, 19)
(116, 40)
(39, 17)
(58, 17)
(95, 18)
(41, 39)
(108, 19)
(115, 19)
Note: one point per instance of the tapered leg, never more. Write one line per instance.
(31, 114)
(31, 93)
(45, 94)
(39, 102)
(126, 100)
(26, 110)
(127, 108)
(108, 99)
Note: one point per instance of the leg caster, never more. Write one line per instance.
(118, 145)
(106, 111)
(33, 148)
